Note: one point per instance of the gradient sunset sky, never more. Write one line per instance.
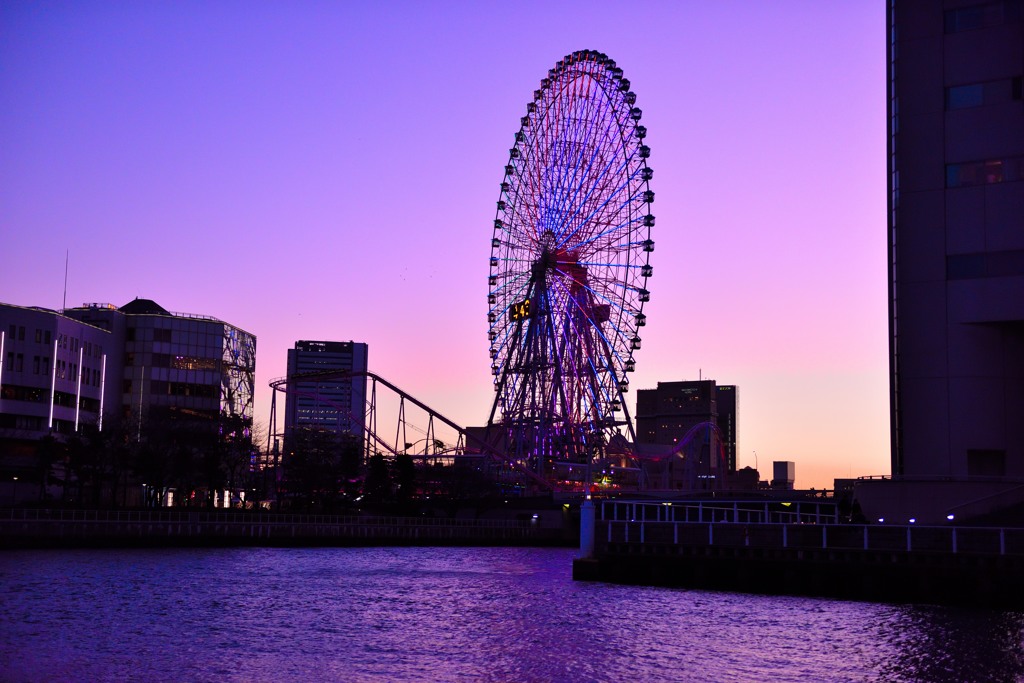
(329, 170)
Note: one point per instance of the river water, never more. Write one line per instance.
(452, 614)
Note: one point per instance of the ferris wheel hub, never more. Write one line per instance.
(570, 259)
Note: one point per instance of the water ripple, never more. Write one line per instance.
(443, 614)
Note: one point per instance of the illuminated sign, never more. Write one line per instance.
(519, 310)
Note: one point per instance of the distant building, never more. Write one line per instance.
(783, 475)
(336, 404)
(956, 226)
(178, 362)
(61, 371)
(56, 374)
(671, 413)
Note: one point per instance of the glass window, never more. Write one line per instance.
(965, 266)
(991, 264)
(39, 335)
(964, 96)
(965, 19)
(982, 172)
(993, 171)
(21, 333)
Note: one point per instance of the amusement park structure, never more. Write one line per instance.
(420, 431)
(568, 279)
(569, 265)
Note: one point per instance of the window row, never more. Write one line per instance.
(64, 341)
(162, 388)
(166, 360)
(23, 422)
(13, 392)
(17, 333)
(982, 94)
(991, 264)
(164, 335)
(15, 362)
(990, 171)
(984, 14)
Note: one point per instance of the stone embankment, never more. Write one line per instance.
(29, 528)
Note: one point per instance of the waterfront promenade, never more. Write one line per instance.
(32, 528)
(801, 549)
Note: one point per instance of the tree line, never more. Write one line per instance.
(196, 458)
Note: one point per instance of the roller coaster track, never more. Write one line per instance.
(466, 440)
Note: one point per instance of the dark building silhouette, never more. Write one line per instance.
(136, 365)
(668, 414)
(956, 253)
(956, 228)
(336, 404)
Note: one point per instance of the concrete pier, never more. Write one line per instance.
(642, 543)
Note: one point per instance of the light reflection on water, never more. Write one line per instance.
(452, 614)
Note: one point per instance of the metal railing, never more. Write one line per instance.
(246, 518)
(736, 512)
(827, 537)
(646, 526)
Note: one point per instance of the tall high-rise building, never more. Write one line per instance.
(956, 237)
(333, 403)
(670, 413)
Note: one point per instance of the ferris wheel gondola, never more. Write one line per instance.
(569, 267)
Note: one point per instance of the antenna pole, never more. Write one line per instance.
(64, 303)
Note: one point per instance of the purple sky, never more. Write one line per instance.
(330, 171)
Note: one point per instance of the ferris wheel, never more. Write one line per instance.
(569, 267)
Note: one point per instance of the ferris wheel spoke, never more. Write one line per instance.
(627, 225)
(583, 326)
(587, 219)
(579, 173)
(587, 174)
(618, 330)
(569, 265)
